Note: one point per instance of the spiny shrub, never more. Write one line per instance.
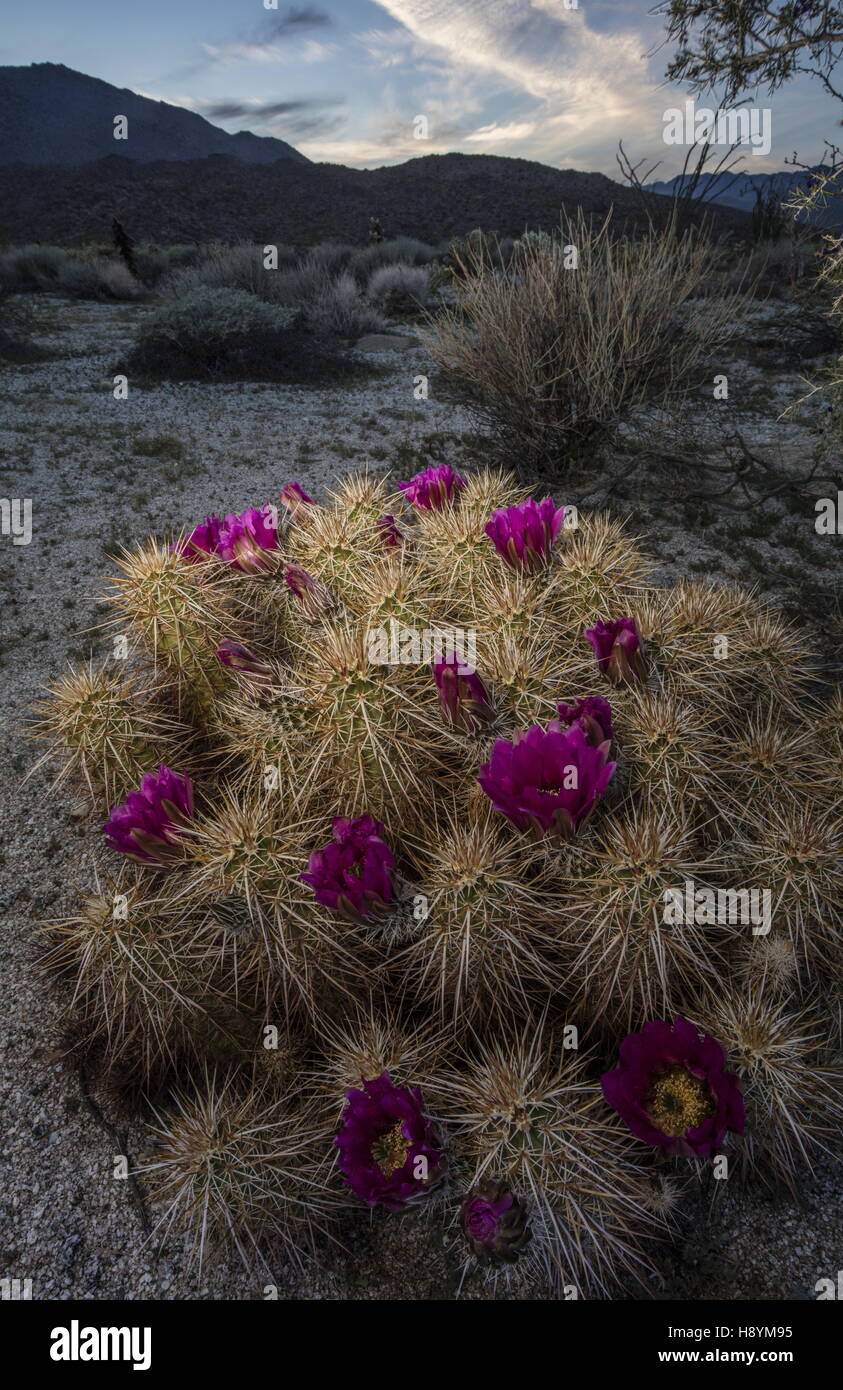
(234, 1164)
(558, 350)
(462, 846)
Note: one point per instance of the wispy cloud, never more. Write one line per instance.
(562, 77)
(296, 19)
(271, 41)
(303, 118)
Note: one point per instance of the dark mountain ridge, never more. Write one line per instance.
(434, 197)
(50, 114)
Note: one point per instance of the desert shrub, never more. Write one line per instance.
(557, 353)
(238, 267)
(219, 332)
(330, 303)
(155, 262)
(15, 345)
(33, 267)
(403, 250)
(399, 289)
(478, 248)
(51, 269)
(763, 269)
(336, 827)
(330, 256)
(532, 241)
(117, 281)
(336, 309)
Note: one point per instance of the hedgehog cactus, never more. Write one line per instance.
(447, 746)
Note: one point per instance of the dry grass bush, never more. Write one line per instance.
(239, 267)
(53, 270)
(557, 356)
(399, 289)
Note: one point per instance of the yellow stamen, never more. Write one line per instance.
(679, 1101)
(390, 1150)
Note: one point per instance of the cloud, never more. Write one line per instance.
(554, 87)
(305, 17)
(265, 110)
(495, 134)
(303, 118)
(269, 41)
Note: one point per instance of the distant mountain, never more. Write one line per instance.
(50, 114)
(740, 191)
(433, 198)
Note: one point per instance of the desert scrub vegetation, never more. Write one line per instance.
(558, 348)
(336, 309)
(341, 291)
(327, 297)
(56, 271)
(399, 289)
(15, 345)
(219, 267)
(436, 838)
(226, 333)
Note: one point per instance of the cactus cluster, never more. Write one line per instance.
(463, 870)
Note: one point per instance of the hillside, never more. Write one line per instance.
(50, 114)
(434, 197)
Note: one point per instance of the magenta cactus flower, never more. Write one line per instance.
(312, 597)
(252, 669)
(494, 1222)
(295, 498)
(148, 825)
(390, 534)
(547, 782)
(431, 489)
(389, 1153)
(201, 542)
(246, 542)
(617, 646)
(524, 535)
(672, 1089)
(594, 716)
(462, 694)
(353, 874)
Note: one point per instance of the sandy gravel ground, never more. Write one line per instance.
(99, 471)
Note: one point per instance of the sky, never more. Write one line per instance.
(347, 81)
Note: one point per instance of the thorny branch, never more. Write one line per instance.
(754, 479)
